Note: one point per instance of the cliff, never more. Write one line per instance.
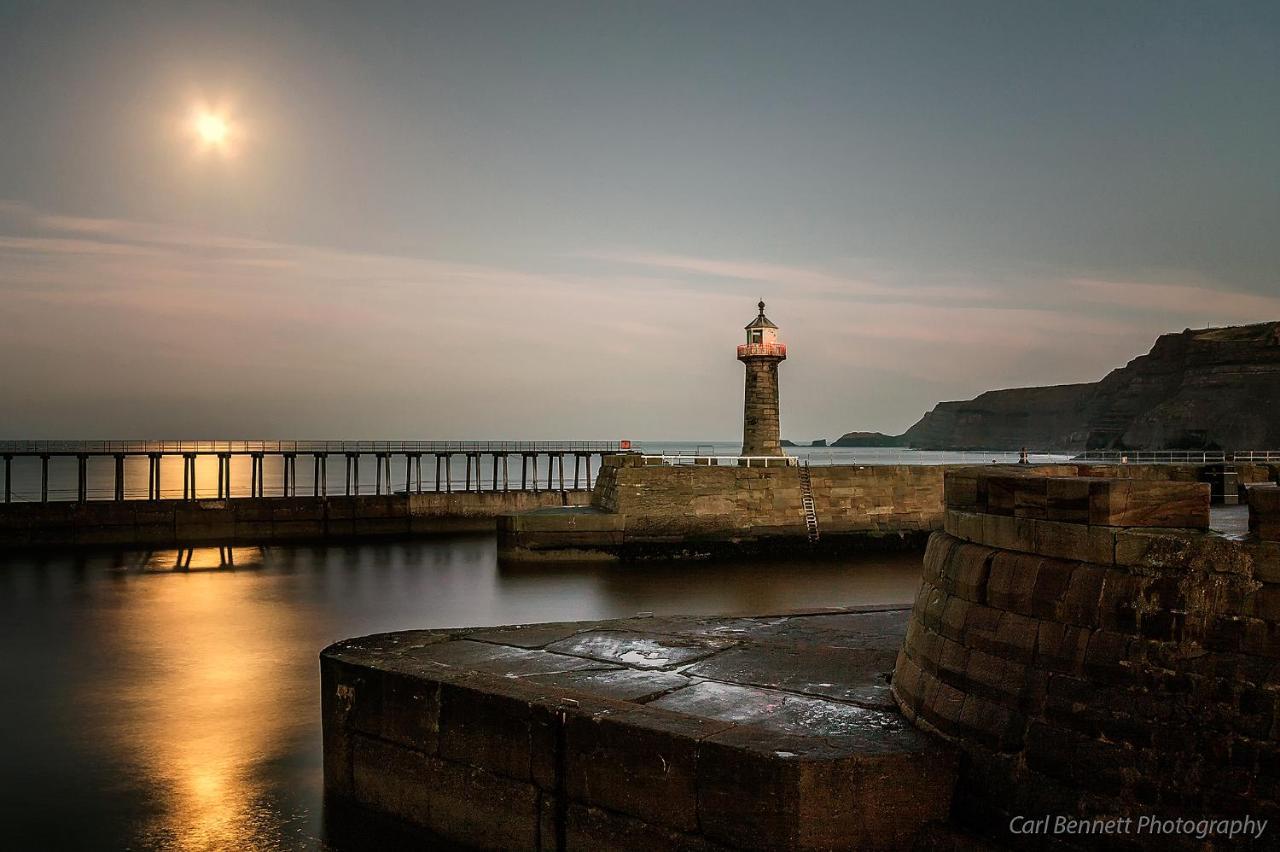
(1216, 388)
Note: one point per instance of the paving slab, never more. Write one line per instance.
(759, 731)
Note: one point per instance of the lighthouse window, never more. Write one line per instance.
(757, 336)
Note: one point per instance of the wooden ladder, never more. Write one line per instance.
(806, 500)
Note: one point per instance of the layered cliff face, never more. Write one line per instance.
(1213, 388)
(1005, 420)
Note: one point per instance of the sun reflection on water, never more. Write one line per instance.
(212, 702)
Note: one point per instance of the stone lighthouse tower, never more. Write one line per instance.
(761, 354)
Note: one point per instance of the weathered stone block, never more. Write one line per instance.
(1012, 581)
(410, 714)
(391, 779)
(1264, 512)
(1002, 494)
(965, 492)
(993, 725)
(1139, 503)
(1015, 637)
(1030, 497)
(481, 809)
(1009, 533)
(1119, 602)
(1052, 580)
(1075, 541)
(487, 724)
(1082, 600)
(1067, 500)
(1061, 647)
(588, 828)
(818, 798)
(640, 762)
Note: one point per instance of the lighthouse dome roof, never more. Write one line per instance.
(761, 321)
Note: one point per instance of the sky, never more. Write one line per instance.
(551, 220)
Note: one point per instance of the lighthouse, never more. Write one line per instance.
(761, 354)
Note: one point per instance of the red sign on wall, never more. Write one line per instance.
(626, 445)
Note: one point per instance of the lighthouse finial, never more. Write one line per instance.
(761, 306)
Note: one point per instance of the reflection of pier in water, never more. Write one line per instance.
(186, 559)
(282, 456)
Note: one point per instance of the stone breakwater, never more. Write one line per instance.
(261, 520)
(678, 733)
(639, 509)
(1095, 651)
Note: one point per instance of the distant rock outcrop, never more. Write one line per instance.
(869, 439)
(1216, 388)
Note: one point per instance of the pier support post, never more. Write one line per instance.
(588, 471)
(551, 467)
(524, 471)
(153, 476)
(534, 465)
(320, 477)
(437, 455)
(188, 476)
(44, 479)
(82, 478)
(353, 473)
(577, 467)
(468, 482)
(506, 473)
(8, 479)
(495, 471)
(256, 475)
(377, 474)
(408, 473)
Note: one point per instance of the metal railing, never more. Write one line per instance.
(773, 350)
(1176, 456)
(303, 447)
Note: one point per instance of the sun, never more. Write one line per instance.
(212, 129)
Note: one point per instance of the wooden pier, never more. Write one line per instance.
(382, 454)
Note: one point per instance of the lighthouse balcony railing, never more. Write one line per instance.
(750, 350)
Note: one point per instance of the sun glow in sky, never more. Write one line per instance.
(212, 129)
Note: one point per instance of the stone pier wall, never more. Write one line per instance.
(1097, 653)
(640, 510)
(171, 523)
(733, 500)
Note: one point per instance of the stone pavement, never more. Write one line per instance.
(762, 732)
